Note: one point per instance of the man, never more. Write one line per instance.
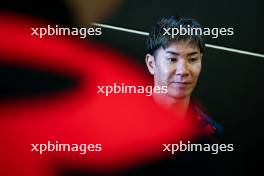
(175, 62)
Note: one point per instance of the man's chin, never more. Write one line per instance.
(178, 95)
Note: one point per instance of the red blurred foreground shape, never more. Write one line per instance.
(130, 128)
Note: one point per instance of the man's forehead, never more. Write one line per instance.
(182, 48)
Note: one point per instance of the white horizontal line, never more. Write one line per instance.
(121, 29)
(234, 50)
(207, 45)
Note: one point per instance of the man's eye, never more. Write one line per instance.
(193, 59)
(172, 59)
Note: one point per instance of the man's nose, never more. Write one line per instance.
(182, 69)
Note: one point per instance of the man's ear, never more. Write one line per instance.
(150, 61)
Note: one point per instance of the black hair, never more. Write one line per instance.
(157, 38)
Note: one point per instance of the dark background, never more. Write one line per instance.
(230, 85)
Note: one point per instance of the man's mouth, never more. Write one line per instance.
(180, 84)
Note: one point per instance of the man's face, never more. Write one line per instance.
(178, 66)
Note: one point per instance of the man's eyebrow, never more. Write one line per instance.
(177, 54)
(172, 52)
(193, 53)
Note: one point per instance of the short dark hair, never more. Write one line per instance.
(156, 38)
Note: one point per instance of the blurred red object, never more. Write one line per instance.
(130, 128)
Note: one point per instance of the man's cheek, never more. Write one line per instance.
(160, 77)
(196, 70)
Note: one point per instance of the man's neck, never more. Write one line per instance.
(178, 106)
